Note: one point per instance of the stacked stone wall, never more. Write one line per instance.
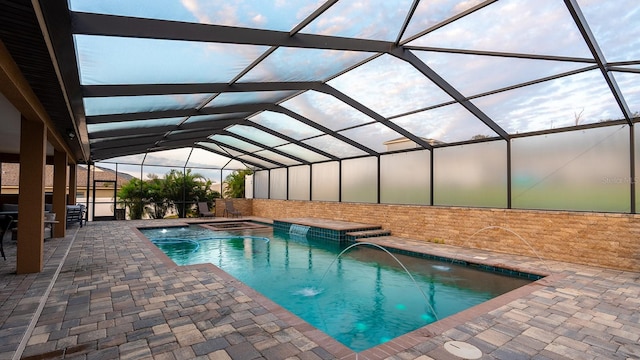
(242, 205)
(599, 239)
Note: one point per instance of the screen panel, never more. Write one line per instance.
(471, 175)
(278, 184)
(405, 178)
(261, 184)
(300, 182)
(586, 170)
(360, 180)
(325, 181)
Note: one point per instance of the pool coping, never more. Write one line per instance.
(212, 226)
(391, 347)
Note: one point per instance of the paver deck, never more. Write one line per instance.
(114, 295)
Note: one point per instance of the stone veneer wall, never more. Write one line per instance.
(242, 205)
(598, 239)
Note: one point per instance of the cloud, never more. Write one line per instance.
(212, 13)
(259, 19)
(476, 74)
(540, 27)
(294, 64)
(389, 86)
(464, 5)
(430, 13)
(194, 7)
(326, 110)
(369, 19)
(285, 125)
(582, 98)
(615, 27)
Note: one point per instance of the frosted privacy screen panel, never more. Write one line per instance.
(360, 180)
(325, 181)
(577, 170)
(300, 182)
(278, 184)
(261, 184)
(405, 178)
(471, 175)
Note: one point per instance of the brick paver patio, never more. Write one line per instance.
(116, 296)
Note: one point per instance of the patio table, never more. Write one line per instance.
(46, 222)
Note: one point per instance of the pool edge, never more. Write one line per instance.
(393, 346)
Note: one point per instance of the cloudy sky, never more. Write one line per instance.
(387, 85)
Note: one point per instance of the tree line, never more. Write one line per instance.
(177, 192)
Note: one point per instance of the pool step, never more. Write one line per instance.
(352, 236)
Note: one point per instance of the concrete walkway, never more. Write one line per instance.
(116, 296)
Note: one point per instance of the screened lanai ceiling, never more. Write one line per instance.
(268, 84)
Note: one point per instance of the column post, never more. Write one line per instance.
(60, 192)
(30, 249)
(73, 184)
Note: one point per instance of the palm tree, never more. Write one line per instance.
(235, 183)
(183, 189)
(158, 205)
(132, 195)
(177, 189)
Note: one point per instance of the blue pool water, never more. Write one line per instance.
(362, 298)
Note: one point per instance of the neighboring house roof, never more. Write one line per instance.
(11, 174)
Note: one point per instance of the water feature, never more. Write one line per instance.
(365, 243)
(494, 227)
(299, 230)
(360, 296)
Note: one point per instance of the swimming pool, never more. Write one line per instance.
(361, 298)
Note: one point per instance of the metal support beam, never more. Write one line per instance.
(409, 57)
(294, 141)
(222, 153)
(110, 25)
(230, 109)
(195, 88)
(321, 128)
(263, 146)
(374, 115)
(589, 38)
(509, 177)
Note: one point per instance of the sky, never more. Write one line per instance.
(388, 85)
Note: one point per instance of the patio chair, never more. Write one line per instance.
(5, 224)
(203, 210)
(229, 210)
(83, 214)
(50, 223)
(75, 214)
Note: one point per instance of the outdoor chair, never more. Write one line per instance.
(75, 214)
(49, 222)
(203, 210)
(5, 223)
(229, 210)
